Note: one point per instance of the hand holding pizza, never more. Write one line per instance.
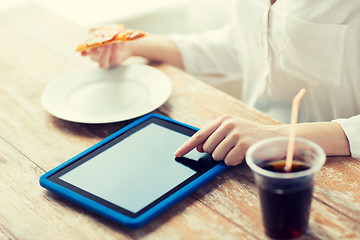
(109, 45)
(108, 55)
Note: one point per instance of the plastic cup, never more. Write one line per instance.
(285, 197)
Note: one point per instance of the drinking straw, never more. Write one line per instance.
(293, 121)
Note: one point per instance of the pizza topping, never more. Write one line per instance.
(134, 35)
(109, 34)
(103, 34)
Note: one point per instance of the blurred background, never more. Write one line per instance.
(154, 16)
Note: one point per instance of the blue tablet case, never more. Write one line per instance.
(114, 215)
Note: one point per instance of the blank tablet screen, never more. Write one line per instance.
(136, 169)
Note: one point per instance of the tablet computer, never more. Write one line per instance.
(132, 176)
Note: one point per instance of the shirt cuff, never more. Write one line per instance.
(351, 127)
(206, 53)
(187, 57)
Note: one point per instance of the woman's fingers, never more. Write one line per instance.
(200, 147)
(228, 138)
(96, 53)
(104, 61)
(108, 55)
(220, 137)
(235, 156)
(198, 139)
(118, 54)
(223, 148)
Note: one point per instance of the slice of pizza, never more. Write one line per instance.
(109, 34)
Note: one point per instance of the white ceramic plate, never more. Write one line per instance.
(93, 95)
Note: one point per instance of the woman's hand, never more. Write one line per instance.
(158, 48)
(109, 55)
(228, 138)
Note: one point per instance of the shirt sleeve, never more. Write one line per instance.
(211, 52)
(351, 127)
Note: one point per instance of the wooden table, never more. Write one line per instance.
(36, 46)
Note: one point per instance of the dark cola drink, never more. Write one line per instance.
(285, 197)
(286, 206)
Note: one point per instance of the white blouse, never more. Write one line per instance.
(279, 49)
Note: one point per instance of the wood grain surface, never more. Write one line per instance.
(36, 46)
